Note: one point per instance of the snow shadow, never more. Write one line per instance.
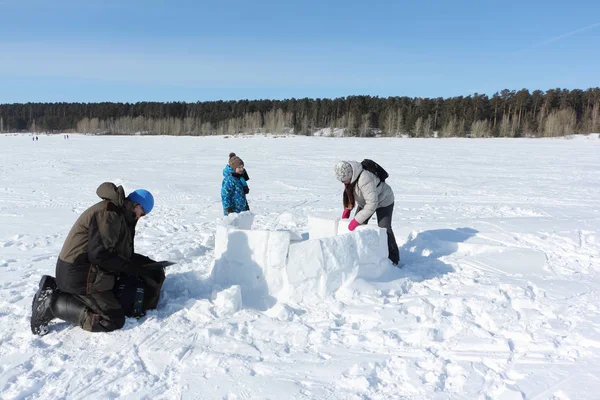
(183, 286)
(420, 254)
(236, 266)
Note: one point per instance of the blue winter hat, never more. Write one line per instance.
(144, 198)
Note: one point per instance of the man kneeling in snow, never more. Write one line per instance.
(99, 278)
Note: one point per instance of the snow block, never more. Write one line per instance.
(254, 260)
(318, 268)
(320, 227)
(269, 265)
(243, 220)
(343, 226)
(228, 301)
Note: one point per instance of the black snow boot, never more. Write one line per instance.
(69, 309)
(41, 314)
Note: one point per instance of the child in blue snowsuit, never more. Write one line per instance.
(234, 188)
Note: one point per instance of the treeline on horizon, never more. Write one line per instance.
(507, 113)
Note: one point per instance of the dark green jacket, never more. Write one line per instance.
(99, 245)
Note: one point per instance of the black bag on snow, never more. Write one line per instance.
(130, 292)
(373, 167)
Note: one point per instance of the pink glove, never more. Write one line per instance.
(353, 224)
(346, 213)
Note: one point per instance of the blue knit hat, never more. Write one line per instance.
(144, 198)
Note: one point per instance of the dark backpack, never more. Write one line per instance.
(373, 167)
(130, 292)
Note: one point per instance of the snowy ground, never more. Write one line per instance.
(499, 297)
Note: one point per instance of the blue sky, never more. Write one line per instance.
(128, 51)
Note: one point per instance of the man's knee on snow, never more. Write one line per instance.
(113, 324)
(97, 323)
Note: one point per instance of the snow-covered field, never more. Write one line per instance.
(499, 297)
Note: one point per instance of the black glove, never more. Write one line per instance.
(137, 263)
(138, 260)
(246, 190)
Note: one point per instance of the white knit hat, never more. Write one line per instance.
(343, 171)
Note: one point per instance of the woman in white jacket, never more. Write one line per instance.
(371, 196)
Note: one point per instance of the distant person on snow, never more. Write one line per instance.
(234, 187)
(365, 190)
(99, 277)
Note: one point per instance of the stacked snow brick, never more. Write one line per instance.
(269, 265)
